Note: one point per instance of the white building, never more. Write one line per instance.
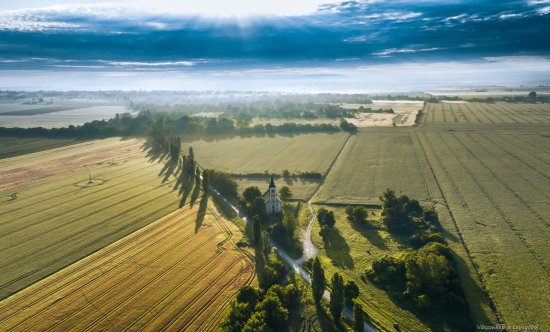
(272, 200)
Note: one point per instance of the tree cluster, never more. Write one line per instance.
(347, 126)
(356, 213)
(341, 294)
(262, 310)
(325, 218)
(401, 214)
(425, 277)
(253, 203)
(223, 183)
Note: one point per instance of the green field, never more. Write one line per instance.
(376, 159)
(306, 153)
(496, 186)
(486, 113)
(350, 250)
(488, 176)
(57, 221)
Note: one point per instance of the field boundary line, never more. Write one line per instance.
(510, 224)
(475, 266)
(148, 283)
(89, 244)
(216, 295)
(89, 227)
(161, 227)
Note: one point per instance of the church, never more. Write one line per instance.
(272, 200)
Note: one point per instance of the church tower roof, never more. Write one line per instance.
(272, 184)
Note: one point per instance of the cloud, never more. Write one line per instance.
(392, 51)
(311, 33)
(151, 64)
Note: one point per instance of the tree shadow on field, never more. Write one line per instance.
(201, 213)
(336, 247)
(154, 152)
(185, 189)
(168, 169)
(376, 240)
(371, 233)
(196, 192)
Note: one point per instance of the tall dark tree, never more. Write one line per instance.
(256, 230)
(198, 175)
(317, 280)
(337, 296)
(351, 292)
(358, 318)
(205, 182)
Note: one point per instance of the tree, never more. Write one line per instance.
(358, 318)
(205, 183)
(251, 193)
(337, 297)
(258, 208)
(317, 280)
(351, 292)
(285, 193)
(532, 94)
(257, 230)
(325, 217)
(198, 177)
(347, 126)
(357, 214)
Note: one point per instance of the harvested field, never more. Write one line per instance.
(178, 273)
(51, 216)
(306, 153)
(404, 113)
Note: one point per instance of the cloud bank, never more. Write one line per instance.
(250, 36)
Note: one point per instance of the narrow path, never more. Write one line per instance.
(309, 248)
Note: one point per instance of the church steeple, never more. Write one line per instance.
(272, 184)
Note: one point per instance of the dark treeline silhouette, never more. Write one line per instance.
(145, 123)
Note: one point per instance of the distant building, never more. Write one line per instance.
(272, 200)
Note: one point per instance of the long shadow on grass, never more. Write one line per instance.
(201, 213)
(168, 169)
(185, 189)
(336, 247)
(196, 192)
(369, 232)
(154, 151)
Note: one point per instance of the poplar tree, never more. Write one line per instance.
(358, 318)
(317, 280)
(337, 297)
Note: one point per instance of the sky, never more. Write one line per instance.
(304, 45)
